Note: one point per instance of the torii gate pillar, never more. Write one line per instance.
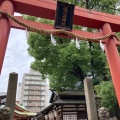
(113, 59)
(4, 29)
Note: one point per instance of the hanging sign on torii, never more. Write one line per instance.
(64, 15)
(46, 9)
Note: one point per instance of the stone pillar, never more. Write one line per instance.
(11, 93)
(90, 99)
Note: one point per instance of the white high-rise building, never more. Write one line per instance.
(34, 92)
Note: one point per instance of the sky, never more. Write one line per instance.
(16, 58)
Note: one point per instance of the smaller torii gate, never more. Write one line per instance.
(46, 9)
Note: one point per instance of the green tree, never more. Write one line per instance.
(64, 64)
(110, 6)
(105, 90)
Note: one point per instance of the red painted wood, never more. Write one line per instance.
(50, 27)
(46, 9)
(4, 29)
(113, 60)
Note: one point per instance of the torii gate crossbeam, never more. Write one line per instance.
(46, 9)
(40, 8)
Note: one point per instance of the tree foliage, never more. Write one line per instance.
(64, 64)
(105, 90)
(108, 6)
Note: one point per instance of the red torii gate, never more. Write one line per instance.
(46, 9)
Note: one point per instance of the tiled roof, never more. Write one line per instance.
(22, 113)
(21, 106)
(25, 113)
(75, 101)
(71, 93)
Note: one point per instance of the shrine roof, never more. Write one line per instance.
(72, 97)
(67, 95)
(25, 113)
(22, 113)
(71, 102)
(21, 106)
(71, 93)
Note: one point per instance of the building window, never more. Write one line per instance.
(42, 98)
(26, 92)
(30, 101)
(26, 98)
(25, 103)
(26, 87)
(70, 117)
(43, 93)
(42, 103)
(42, 88)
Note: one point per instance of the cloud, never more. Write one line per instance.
(16, 58)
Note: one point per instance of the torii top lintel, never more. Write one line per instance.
(46, 9)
